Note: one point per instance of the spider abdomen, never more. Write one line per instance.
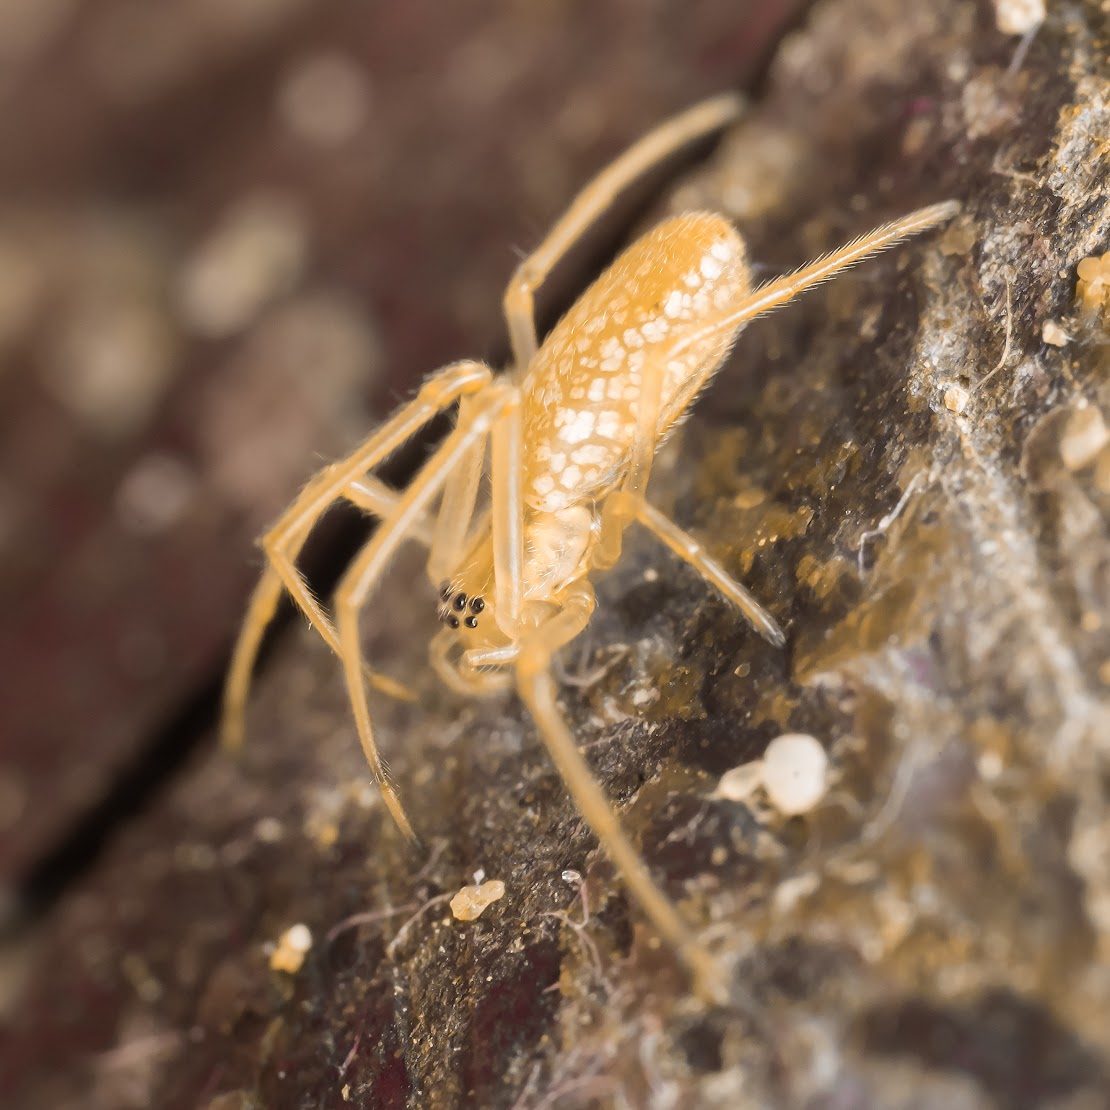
(654, 306)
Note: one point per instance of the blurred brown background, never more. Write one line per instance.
(232, 234)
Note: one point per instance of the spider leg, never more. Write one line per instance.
(503, 519)
(688, 549)
(537, 690)
(456, 508)
(507, 520)
(786, 288)
(455, 533)
(366, 570)
(651, 151)
(375, 497)
(284, 541)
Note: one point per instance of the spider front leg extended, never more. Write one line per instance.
(652, 151)
(487, 408)
(537, 689)
(284, 541)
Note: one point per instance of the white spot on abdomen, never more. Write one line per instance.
(570, 478)
(591, 454)
(608, 424)
(710, 268)
(580, 428)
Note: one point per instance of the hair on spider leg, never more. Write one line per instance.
(566, 436)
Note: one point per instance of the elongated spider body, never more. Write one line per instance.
(656, 304)
(566, 437)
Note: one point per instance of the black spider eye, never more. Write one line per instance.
(477, 605)
(445, 590)
(471, 622)
(453, 622)
(460, 602)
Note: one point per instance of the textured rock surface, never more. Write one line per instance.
(915, 481)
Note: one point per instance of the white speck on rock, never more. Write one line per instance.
(1018, 17)
(1085, 435)
(1053, 334)
(740, 783)
(291, 949)
(795, 769)
(956, 398)
(472, 901)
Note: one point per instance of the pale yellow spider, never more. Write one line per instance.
(571, 428)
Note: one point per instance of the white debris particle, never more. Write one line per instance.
(989, 766)
(1017, 17)
(291, 949)
(1053, 334)
(795, 768)
(740, 783)
(471, 902)
(1085, 435)
(1092, 289)
(956, 398)
(790, 892)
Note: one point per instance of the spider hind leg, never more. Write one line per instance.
(537, 689)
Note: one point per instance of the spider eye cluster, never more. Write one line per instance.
(456, 608)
